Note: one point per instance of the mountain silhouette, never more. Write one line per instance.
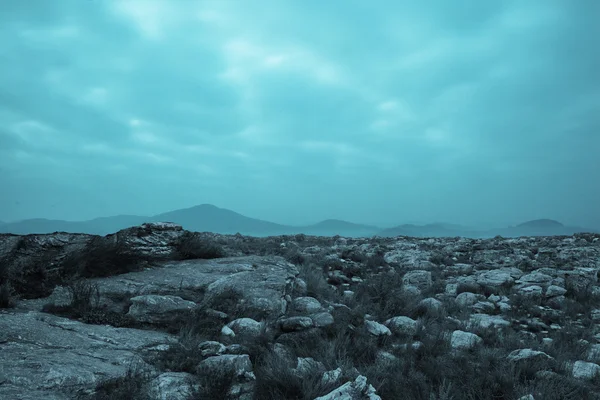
(210, 218)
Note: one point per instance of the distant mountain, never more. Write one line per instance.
(540, 227)
(209, 218)
(431, 230)
(98, 226)
(332, 227)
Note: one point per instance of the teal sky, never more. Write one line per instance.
(473, 112)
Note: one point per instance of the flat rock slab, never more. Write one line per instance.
(263, 280)
(49, 357)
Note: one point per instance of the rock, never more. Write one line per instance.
(260, 282)
(356, 390)
(331, 377)
(495, 278)
(464, 340)
(306, 305)
(595, 315)
(431, 305)
(535, 278)
(159, 309)
(306, 366)
(419, 278)
(466, 299)
(171, 386)
(451, 288)
(486, 321)
(585, 370)
(377, 329)
(66, 356)
(411, 291)
(385, 357)
(402, 325)
(484, 307)
(527, 354)
(236, 366)
(246, 326)
(156, 240)
(293, 324)
(460, 269)
(594, 353)
(527, 397)
(227, 332)
(531, 291)
(554, 291)
(211, 348)
(321, 320)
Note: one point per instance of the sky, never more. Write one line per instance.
(389, 112)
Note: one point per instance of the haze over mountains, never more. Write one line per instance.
(209, 218)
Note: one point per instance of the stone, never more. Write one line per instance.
(495, 278)
(585, 370)
(306, 305)
(418, 278)
(531, 291)
(466, 299)
(527, 354)
(171, 386)
(246, 326)
(535, 278)
(159, 309)
(553, 291)
(402, 325)
(66, 356)
(211, 348)
(293, 324)
(330, 377)
(238, 366)
(377, 329)
(323, 319)
(431, 305)
(484, 307)
(464, 340)
(485, 321)
(358, 389)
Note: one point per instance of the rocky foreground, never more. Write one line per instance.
(156, 312)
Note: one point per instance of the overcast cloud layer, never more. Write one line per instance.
(473, 112)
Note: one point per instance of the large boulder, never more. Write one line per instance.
(49, 357)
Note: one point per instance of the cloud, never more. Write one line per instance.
(291, 101)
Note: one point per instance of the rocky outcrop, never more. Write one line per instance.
(426, 296)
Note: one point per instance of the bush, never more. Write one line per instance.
(30, 279)
(6, 295)
(277, 381)
(132, 386)
(101, 258)
(316, 283)
(191, 246)
(84, 297)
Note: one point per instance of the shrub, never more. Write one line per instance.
(84, 297)
(213, 384)
(30, 279)
(277, 381)
(191, 246)
(316, 283)
(132, 386)
(6, 295)
(101, 258)
(383, 296)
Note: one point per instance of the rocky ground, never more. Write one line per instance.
(155, 312)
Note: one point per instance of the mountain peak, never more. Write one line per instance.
(541, 223)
